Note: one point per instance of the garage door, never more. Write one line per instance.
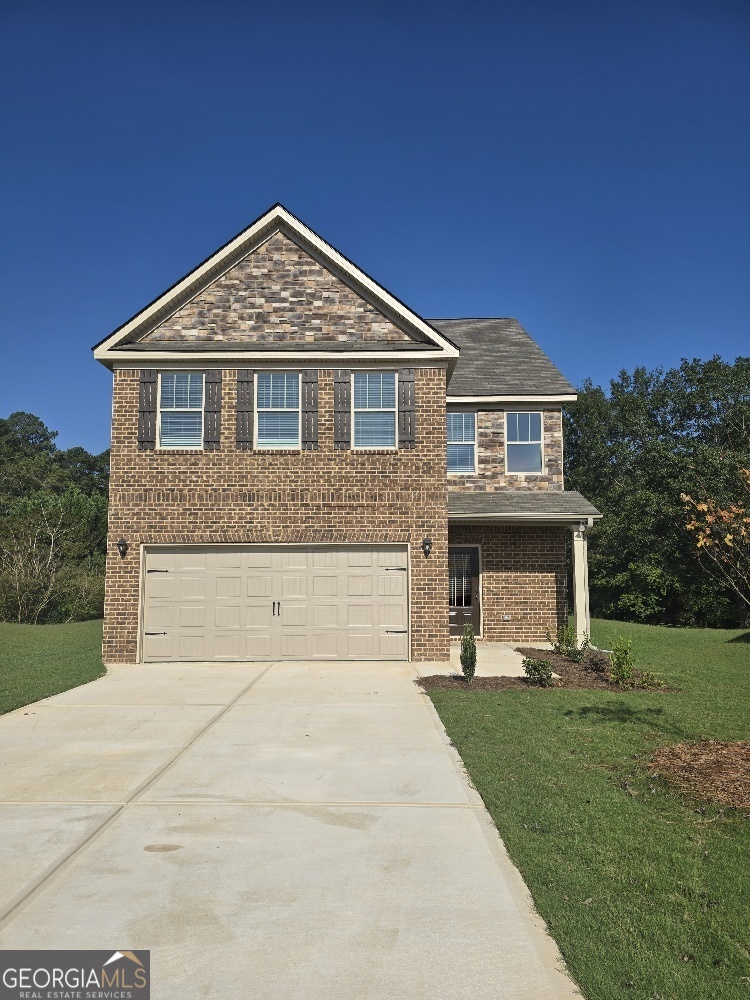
(276, 603)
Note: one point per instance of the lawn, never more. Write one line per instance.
(645, 891)
(37, 661)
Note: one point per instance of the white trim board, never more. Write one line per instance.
(536, 400)
(275, 219)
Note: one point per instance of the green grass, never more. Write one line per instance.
(37, 661)
(646, 892)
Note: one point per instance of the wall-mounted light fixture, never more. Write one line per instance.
(122, 548)
(427, 546)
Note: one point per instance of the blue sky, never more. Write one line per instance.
(582, 166)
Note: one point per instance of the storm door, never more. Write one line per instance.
(463, 588)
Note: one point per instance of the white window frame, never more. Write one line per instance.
(275, 409)
(181, 409)
(464, 472)
(540, 443)
(385, 409)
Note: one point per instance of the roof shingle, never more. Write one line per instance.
(517, 503)
(498, 358)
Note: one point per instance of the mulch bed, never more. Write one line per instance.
(711, 770)
(572, 675)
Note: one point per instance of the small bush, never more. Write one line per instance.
(622, 663)
(648, 680)
(468, 653)
(538, 671)
(566, 644)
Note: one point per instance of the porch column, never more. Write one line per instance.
(581, 612)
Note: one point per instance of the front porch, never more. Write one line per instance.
(508, 563)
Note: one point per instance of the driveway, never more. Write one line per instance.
(269, 831)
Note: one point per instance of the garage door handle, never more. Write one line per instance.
(156, 633)
(157, 570)
(395, 569)
(396, 631)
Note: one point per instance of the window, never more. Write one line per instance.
(181, 410)
(278, 410)
(524, 442)
(461, 442)
(374, 410)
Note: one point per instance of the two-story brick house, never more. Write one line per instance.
(304, 468)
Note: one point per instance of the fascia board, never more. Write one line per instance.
(527, 518)
(206, 361)
(530, 400)
(274, 218)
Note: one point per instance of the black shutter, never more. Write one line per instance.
(342, 406)
(406, 415)
(212, 410)
(147, 410)
(245, 400)
(309, 383)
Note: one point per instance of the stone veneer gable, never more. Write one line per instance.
(277, 294)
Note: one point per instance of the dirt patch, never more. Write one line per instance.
(711, 770)
(593, 672)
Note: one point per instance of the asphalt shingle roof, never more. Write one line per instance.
(566, 503)
(498, 358)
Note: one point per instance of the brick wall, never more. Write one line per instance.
(491, 474)
(210, 497)
(523, 576)
(278, 293)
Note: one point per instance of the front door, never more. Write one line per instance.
(463, 588)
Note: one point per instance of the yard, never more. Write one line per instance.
(37, 661)
(644, 890)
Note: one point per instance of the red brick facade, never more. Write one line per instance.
(327, 495)
(522, 577)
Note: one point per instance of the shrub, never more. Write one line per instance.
(597, 662)
(622, 663)
(538, 671)
(648, 680)
(567, 645)
(468, 653)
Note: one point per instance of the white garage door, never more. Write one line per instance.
(269, 602)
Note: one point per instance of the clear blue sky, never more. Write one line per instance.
(584, 167)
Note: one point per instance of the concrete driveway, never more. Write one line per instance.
(285, 830)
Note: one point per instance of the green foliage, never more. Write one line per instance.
(538, 671)
(468, 653)
(622, 662)
(53, 525)
(633, 451)
(566, 643)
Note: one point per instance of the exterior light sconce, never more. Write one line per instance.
(427, 546)
(122, 548)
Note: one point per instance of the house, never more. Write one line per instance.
(302, 467)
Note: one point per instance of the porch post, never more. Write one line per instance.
(581, 613)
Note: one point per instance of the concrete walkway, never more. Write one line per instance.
(269, 831)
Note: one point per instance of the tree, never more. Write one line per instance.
(633, 452)
(722, 536)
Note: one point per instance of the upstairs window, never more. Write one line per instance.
(181, 410)
(374, 410)
(524, 442)
(277, 404)
(462, 442)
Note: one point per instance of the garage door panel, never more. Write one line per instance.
(258, 586)
(192, 616)
(275, 602)
(293, 616)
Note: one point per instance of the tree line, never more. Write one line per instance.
(664, 455)
(648, 452)
(53, 525)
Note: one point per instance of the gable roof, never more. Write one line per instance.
(499, 358)
(425, 340)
